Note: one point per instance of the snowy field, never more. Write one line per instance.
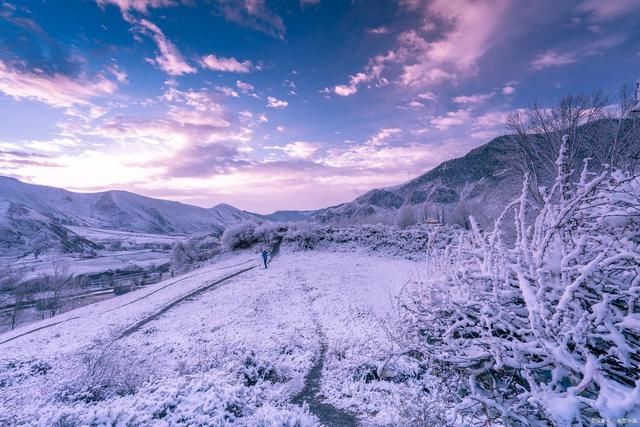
(102, 236)
(237, 352)
(104, 261)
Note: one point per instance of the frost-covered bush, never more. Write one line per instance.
(546, 330)
(212, 395)
(239, 236)
(104, 371)
(383, 239)
(305, 235)
(268, 232)
(188, 255)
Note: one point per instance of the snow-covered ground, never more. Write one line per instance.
(237, 352)
(105, 260)
(102, 236)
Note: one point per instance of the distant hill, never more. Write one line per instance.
(287, 216)
(480, 183)
(29, 213)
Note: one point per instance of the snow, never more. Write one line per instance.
(245, 344)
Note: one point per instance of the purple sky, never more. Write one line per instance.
(284, 104)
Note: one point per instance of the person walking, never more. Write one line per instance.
(265, 257)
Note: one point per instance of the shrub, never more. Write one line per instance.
(239, 236)
(104, 371)
(547, 329)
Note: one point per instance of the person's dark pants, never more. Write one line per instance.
(265, 262)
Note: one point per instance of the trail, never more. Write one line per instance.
(328, 414)
(172, 304)
(153, 316)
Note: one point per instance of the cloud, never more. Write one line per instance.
(273, 102)
(552, 58)
(170, 59)
(203, 160)
(120, 75)
(371, 74)
(244, 87)
(473, 99)
(602, 10)
(468, 30)
(227, 91)
(508, 89)
(428, 96)
(378, 30)
(382, 136)
(415, 105)
(230, 65)
(56, 90)
(452, 118)
(301, 149)
(304, 3)
(555, 58)
(141, 6)
(253, 14)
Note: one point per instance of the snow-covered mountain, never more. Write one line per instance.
(32, 212)
(481, 184)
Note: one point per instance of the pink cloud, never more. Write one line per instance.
(476, 99)
(472, 29)
(170, 59)
(301, 149)
(56, 90)
(508, 90)
(452, 118)
(273, 102)
(138, 5)
(244, 86)
(371, 74)
(552, 58)
(230, 65)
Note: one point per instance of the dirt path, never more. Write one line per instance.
(185, 297)
(157, 314)
(328, 414)
(174, 282)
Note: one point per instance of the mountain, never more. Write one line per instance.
(29, 213)
(480, 183)
(287, 216)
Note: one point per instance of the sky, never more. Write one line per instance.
(285, 104)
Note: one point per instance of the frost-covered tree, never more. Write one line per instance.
(40, 244)
(608, 135)
(546, 330)
(11, 284)
(180, 260)
(406, 217)
(53, 289)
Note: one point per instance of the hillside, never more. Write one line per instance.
(29, 213)
(480, 183)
